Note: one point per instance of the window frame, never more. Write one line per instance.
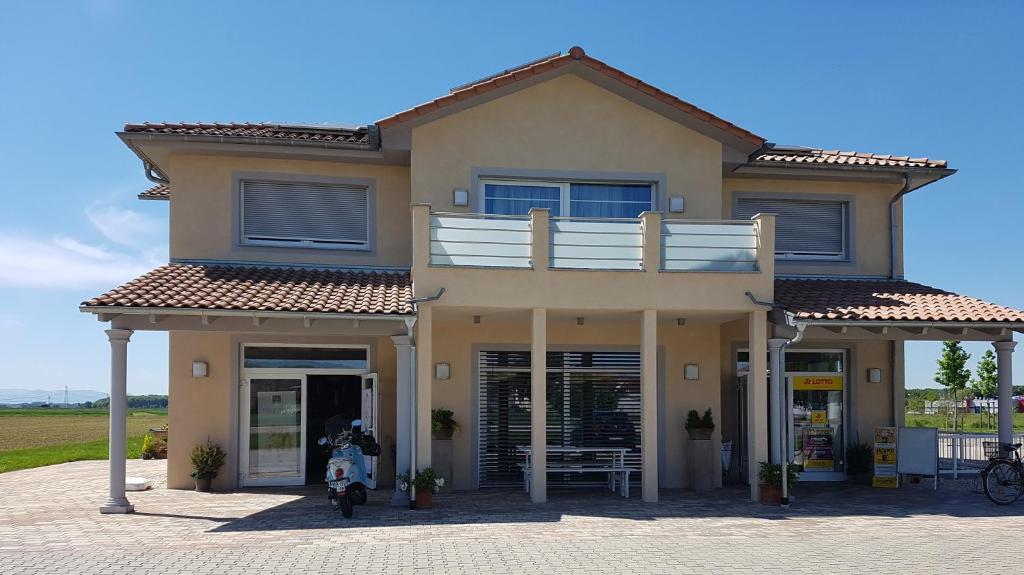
(848, 231)
(368, 185)
(565, 190)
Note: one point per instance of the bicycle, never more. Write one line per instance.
(1004, 476)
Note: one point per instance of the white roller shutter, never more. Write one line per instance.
(804, 229)
(304, 214)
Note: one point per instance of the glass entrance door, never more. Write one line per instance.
(276, 445)
(817, 384)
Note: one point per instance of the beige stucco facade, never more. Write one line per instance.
(563, 128)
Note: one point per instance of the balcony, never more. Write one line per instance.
(632, 261)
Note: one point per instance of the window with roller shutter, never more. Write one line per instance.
(303, 214)
(805, 229)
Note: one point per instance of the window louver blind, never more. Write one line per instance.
(803, 228)
(593, 400)
(296, 213)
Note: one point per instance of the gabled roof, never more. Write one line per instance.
(313, 134)
(157, 192)
(884, 300)
(263, 288)
(836, 157)
(578, 56)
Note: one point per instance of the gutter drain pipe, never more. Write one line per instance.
(906, 189)
(151, 175)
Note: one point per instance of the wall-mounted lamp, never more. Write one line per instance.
(199, 368)
(874, 375)
(460, 197)
(691, 372)
(579, 321)
(442, 371)
(476, 319)
(681, 321)
(676, 204)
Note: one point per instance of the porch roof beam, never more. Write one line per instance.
(107, 313)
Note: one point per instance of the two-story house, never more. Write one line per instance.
(563, 255)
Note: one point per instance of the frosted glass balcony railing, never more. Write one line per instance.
(474, 240)
(541, 242)
(596, 244)
(708, 246)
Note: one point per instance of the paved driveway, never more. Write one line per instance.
(49, 523)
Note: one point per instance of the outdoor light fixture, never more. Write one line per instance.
(442, 371)
(681, 321)
(874, 375)
(579, 321)
(676, 204)
(691, 372)
(476, 319)
(199, 368)
(460, 197)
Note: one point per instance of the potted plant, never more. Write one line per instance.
(771, 482)
(206, 461)
(858, 462)
(700, 427)
(442, 423)
(426, 482)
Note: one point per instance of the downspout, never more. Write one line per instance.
(151, 175)
(412, 428)
(800, 326)
(906, 189)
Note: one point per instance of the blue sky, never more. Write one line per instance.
(918, 78)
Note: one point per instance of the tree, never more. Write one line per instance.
(986, 382)
(953, 373)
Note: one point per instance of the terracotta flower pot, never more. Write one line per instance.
(424, 499)
(770, 494)
(203, 484)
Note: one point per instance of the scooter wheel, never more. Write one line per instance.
(346, 506)
(358, 496)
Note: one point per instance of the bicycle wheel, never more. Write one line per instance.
(1003, 482)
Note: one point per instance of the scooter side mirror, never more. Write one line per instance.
(357, 423)
(322, 441)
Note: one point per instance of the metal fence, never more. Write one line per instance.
(964, 453)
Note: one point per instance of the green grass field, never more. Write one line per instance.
(36, 437)
(977, 422)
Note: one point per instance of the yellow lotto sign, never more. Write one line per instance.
(818, 382)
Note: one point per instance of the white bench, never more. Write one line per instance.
(614, 465)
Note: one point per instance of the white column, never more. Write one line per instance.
(424, 380)
(1004, 367)
(757, 399)
(539, 405)
(776, 401)
(649, 404)
(116, 500)
(403, 414)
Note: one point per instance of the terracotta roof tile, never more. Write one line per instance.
(837, 157)
(157, 192)
(308, 133)
(884, 300)
(555, 61)
(257, 288)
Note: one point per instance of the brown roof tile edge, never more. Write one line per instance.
(575, 54)
(157, 192)
(885, 300)
(263, 289)
(819, 156)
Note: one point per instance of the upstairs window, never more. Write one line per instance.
(575, 199)
(308, 215)
(805, 229)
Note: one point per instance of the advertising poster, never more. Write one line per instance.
(818, 449)
(885, 458)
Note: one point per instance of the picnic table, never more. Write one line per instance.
(608, 460)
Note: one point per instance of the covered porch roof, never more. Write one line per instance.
(183, 296)
(893, 309)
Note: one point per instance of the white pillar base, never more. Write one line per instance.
(114, 506)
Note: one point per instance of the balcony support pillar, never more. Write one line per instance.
(540, 234)
(651, 225)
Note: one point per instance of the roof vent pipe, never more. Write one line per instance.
(151, 175)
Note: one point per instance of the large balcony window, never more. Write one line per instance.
(573, 199)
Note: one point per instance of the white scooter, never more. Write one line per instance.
(346, 470)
